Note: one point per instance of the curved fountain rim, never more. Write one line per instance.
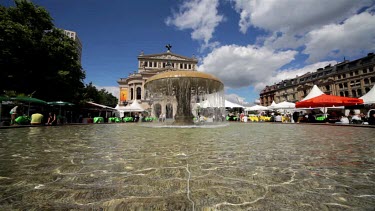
(183, 74)
(204, 126)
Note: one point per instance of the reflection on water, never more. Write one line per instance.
(239, 167)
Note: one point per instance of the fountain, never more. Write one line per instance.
(186, 89)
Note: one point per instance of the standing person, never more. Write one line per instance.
(51, 119)
(241, 117)
(371, 119)
(13, 115)
(295, 117)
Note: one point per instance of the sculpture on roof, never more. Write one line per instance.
(168, 47)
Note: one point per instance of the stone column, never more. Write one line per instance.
(349, 89)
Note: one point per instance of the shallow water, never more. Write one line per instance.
(239, 167)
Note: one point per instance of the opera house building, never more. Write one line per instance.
(132, 87)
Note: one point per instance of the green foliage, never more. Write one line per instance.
(91, 93)
(36, 57)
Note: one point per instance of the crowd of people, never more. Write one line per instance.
(18, 117)
(312, 116)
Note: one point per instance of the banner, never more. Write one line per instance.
(123, 94)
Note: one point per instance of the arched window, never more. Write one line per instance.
(366, 81)
(131, 94)
(139, 93)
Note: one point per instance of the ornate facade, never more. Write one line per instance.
(132, 87)
(348, 78)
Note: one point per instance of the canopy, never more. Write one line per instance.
(285, 105)
(272, 106)
(369, 97)
(104, 107)
(256, 108)
(4, 98)
(27, 99)
(134, 107)
(325, 100)
(60, 103)
(314, 92)
(232, 105)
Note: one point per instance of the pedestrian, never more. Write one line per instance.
(13, 115)
(295, 117)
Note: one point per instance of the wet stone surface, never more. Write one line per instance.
(238, 167)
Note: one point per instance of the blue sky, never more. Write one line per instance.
(247, 44)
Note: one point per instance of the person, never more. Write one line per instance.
(51, 119)
(36, 119)
(278, 118)
(371, 119)
(163, 117)
(344, 120)
(160, 117)
(13, 115)
(241, 117)
(311, 117)
(295, 117)
(356, 119)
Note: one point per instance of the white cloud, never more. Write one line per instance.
(242, 66)
(199, 15)
(354, 37)
(114, 90)
(293, 15)
(288, 21)
(234, 98)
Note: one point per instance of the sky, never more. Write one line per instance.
(248, 44)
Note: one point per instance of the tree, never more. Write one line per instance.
(36, 57)
(91, 93)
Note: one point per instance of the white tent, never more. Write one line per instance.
(256, 108)
(229, 104)
(272, 106)
(134, 107)
(369, 97)
(315, 92)
(285, 105)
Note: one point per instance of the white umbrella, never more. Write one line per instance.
(232, 105)
(256, 108)
(285, 105)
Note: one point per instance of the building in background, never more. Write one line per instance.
(348, 78)
(73, 35)
(132, 87)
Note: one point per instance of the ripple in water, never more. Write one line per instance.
(238, 167)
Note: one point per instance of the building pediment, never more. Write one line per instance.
(166, 56)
